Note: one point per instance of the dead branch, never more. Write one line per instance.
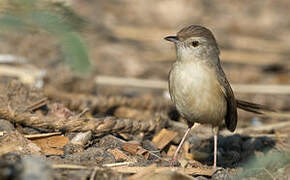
(77, 124)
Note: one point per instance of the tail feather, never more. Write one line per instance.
(262, 110)
(252, 107)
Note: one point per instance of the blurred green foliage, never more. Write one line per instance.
(56, 18)
(268, 164)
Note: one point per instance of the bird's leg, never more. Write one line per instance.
(179, 147)
(215, 131)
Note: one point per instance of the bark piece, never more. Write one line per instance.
(119, 155)
(171, 150)
(136, 149)
(163, 138)
(52, 145)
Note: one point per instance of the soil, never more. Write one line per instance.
(101, 126)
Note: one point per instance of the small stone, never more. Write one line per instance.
(81, 138)
(6, 126)
(110, 142)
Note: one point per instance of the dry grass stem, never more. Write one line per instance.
(34, 136)
(37, 105)
(118, 164)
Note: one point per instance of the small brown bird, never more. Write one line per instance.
(198, 85)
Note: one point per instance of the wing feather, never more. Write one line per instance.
(231, 116)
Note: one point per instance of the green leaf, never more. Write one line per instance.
(53, 22)
(75, 52)
(49, 21)
(10, 22)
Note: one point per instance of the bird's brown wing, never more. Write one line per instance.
(169, 86)
(231, 116)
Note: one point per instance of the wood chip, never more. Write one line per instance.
(171, 150)
(136, 149)
(163, 138)
(131, 147)
(119, 155)
(143, 152)
(52, 145)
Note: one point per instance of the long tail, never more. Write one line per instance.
(262, 109)
(254, 108)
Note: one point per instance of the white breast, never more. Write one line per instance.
(196, 92)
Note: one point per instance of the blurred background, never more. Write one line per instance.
(95, 55)
(125, 39)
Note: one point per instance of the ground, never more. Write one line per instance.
(91, 127)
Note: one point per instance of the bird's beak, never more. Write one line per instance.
(172, 39)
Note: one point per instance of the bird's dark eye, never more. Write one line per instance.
(195, 43)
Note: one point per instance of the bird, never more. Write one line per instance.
(198, 86)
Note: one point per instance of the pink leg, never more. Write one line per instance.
(215, 132)
(179, 147)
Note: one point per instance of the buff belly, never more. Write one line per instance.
(196, 93)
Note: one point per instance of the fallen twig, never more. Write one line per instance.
(37, 105)
(118, 164)
(33, 136)
(69, 166)
(28, 74)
